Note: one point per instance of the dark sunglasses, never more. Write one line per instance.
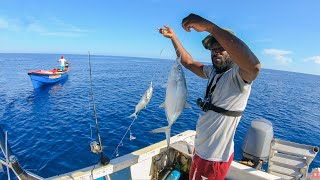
(217, 49)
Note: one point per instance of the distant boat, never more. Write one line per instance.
(41, 78)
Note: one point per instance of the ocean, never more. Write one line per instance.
(50, 130)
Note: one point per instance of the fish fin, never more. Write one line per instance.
(162, 105)
(187, 105)
(159, 130)
(133, 115)
(133, 138)
(166, 130)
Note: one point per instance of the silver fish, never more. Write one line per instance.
(145, 99)
(175, 100)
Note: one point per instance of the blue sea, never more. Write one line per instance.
(50, 130)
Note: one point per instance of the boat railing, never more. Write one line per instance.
(290, 160)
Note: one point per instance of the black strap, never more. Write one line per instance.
(209, 89)
(224, 111)
(217, 109)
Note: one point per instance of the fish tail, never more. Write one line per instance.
(159, 130)
(168, 135)
(133, 115)
(166, 130)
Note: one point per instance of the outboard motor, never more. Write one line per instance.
(256, 145)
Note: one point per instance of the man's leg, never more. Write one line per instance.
(224, 167)
(202, 169)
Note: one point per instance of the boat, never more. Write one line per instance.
(42, 78)
(286, 160)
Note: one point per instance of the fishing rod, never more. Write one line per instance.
(96, 148)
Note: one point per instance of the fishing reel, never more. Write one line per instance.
(95, 147)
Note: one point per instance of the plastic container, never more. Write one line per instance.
(174, 175)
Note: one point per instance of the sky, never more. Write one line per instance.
(284, 34)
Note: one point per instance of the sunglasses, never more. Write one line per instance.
(217, 49)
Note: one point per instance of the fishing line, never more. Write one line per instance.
(171, 55)
(89, 101)
(7, 158)
(103, 160)
(116, 151)
(90, 131)
(121, 141)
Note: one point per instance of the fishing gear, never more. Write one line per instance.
(12, 160)
(116, 151)
(96, 147)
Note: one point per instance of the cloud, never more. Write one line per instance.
(315, 59)
(62, 32)
(34, 27)
(262, 40)
(57, 28)
(67, 27)
(3, 24)
(48, 27)
(9, 24)
(279, 55)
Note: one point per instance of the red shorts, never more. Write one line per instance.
(203, 169)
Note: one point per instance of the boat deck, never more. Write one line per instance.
(137, 165)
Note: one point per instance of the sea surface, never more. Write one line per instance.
(50, 129)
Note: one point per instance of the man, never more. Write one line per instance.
(234, 67)
(63, 63)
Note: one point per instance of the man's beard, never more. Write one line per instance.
(225, 66)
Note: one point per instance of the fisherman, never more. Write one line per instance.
(234, 67)
(63, 63)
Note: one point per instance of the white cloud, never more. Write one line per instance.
(66, 27)
(34, 27)
(50, 27)
(9, 24)
(262, 41)
(62, 34)
(3, 23)
(279, 55)
(315, 59)
(57, 28)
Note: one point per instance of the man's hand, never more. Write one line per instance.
(196, 22)
(167, 32)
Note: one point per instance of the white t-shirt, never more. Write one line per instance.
(62, 62)
(215, 131)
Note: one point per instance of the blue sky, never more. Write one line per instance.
(284, 34)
